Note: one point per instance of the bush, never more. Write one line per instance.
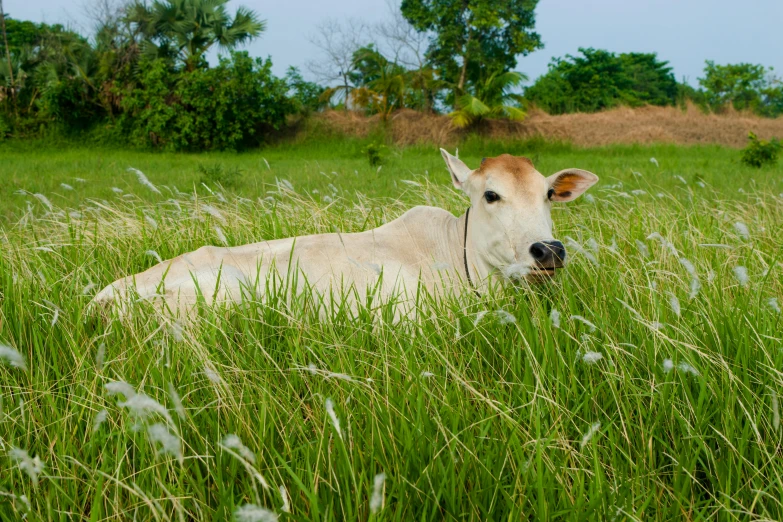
(217, 174)
(373, 152)
(600, 80)
(760, 152)
(229, 107)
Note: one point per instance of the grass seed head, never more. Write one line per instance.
(169, 442)
(333, 416)
(32, 466)
(233, 442)
(376, 500)
(741, 274)
(590, 433)
(253, 513)
(12, 357)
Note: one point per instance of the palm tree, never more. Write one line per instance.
(493, 98)
(186, 29)
(384, 83)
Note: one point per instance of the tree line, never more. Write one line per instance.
(143, 78)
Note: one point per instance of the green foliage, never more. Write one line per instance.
(374, 152)
(474, 40)
(743, 86)
(600, 80)
(759, 153)
(220, 175)
(184, 30)
(493, 97)
(228, 107)
(305, 96)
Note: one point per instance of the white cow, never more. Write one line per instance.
(506, 233)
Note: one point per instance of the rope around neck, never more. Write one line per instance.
(465, 252)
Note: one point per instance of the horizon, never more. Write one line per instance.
(686, 41)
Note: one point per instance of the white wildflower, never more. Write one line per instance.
(175, 399)
(12, 357)
(212, 375)
(772, 303)
(668, 365)
(675, 304)
(117, 387)
(169, 442)
(695, 287)
(554, 317)
(333, 416)
(654, 161)
(151, 222)
(99, 359)
(66, 186)
(742, 229)
(688, 266)
(516, 271)
(221, 235)
(175, 329)
(590, 433)
(590, 325)
(154, 255)
(143, 180)
(741, 273)
(215, 213)
(100, 418)
(505, 317)
(143, 406)
(376, 500)
(253, 513)
(286, 507)
(592, 357)
(32, 466)
(687, 368)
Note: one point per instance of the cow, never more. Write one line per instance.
(504, 235)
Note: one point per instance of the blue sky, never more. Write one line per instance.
(684, 32)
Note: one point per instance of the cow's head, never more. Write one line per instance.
(510, 217)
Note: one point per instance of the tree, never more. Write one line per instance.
(745, 86)
(184, 30)
(383, 82)
(474, 39)
(599, 80)
(494, 97)
(338, 41)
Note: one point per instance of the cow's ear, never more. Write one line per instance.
(569, 184)
(459, 171)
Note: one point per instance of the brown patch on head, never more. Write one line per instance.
(520, 167)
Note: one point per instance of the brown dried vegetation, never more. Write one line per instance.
(623, 125)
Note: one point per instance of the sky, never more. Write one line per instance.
(683, 32)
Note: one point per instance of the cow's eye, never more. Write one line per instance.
(491, 197)
(550, 193)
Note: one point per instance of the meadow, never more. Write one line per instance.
(643, 383)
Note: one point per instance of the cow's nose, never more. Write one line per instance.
(548, 253)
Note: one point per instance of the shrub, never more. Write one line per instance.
(373, 152)
(760, 152)
(229, 107)
(217, 174)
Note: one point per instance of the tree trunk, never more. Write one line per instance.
(7, 51)
(345, 90)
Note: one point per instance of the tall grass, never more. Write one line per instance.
(593, 397)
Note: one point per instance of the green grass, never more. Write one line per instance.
(494, 433)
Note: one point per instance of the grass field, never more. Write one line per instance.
(643, 384)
